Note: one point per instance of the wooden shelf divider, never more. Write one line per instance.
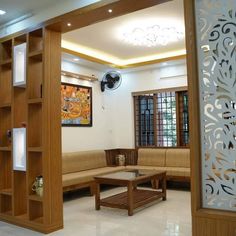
(35, 197)
(6, 191)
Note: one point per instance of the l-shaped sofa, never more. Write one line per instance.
(79, 168)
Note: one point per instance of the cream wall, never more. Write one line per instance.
(99, 136)
(121, 101)
(113, 124)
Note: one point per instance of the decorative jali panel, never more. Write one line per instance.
(216, 36)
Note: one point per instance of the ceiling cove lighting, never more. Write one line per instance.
(117, 61)
(152, 35)
(2, 12)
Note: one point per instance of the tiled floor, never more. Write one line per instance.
(169, 218)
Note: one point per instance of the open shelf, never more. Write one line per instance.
(20, 39)
(35, 168)
(34, 125)
(35, 41)
(36, 211)
(6, 204)
(5, 171)
(6, 84)
(35, 78)
(6, 50)
(20, 107)
(20, 200)
(5, 127)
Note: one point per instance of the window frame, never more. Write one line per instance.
(178, 91)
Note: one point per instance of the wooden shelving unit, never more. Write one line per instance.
(36, 106)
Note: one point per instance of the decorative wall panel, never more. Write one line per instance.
(216, 37)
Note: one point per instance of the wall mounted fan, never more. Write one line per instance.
(111, 81)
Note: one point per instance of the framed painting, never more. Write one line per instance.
(76, 105)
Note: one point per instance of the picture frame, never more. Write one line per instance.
(76, 105)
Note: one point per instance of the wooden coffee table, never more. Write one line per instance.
(134, 197)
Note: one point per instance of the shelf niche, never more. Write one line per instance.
(5, 127)
(5, 84)
(6, 51)
(6, 204)
(5, 170)
(19, 70)
(20, 194)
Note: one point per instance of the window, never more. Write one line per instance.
(166, 120)
(161, 119)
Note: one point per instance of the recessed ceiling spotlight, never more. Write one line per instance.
(76, 59)
(110, 10)
(2, 12)
(69, 24)
(164, 63)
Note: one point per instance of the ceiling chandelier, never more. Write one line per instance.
(152, 36)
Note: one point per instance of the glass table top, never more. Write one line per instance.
(128, 175)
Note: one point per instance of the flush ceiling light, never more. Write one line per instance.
(69, 24)
(151, 36)
(2, 12)
(110, 10)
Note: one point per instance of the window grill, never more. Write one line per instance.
(161, 119)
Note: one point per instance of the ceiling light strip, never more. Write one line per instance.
(131, 65)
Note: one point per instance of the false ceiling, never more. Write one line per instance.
(105, 40)
(23, 8)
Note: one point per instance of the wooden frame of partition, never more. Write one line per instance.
(206, 222)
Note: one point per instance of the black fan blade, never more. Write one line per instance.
(110, 84)
(103, 86)
(117, 78)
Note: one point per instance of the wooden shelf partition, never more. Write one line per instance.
(35, 106)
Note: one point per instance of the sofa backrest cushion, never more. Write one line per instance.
(178, 157)
(84, 160)
(151, 156)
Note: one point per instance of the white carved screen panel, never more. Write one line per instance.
(216, 39)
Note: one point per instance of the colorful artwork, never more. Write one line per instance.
(76, 105)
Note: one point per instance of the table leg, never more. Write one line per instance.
(155, 183)
(97, 196)
(130, 199)
(164, 187)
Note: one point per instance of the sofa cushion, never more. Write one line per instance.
(87, 175)
(151, 156)
(86, 160)
(178, 171)
(177, 157)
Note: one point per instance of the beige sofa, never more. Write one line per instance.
(175, 161)
(79, 168)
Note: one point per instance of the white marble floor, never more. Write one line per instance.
(169, 218)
